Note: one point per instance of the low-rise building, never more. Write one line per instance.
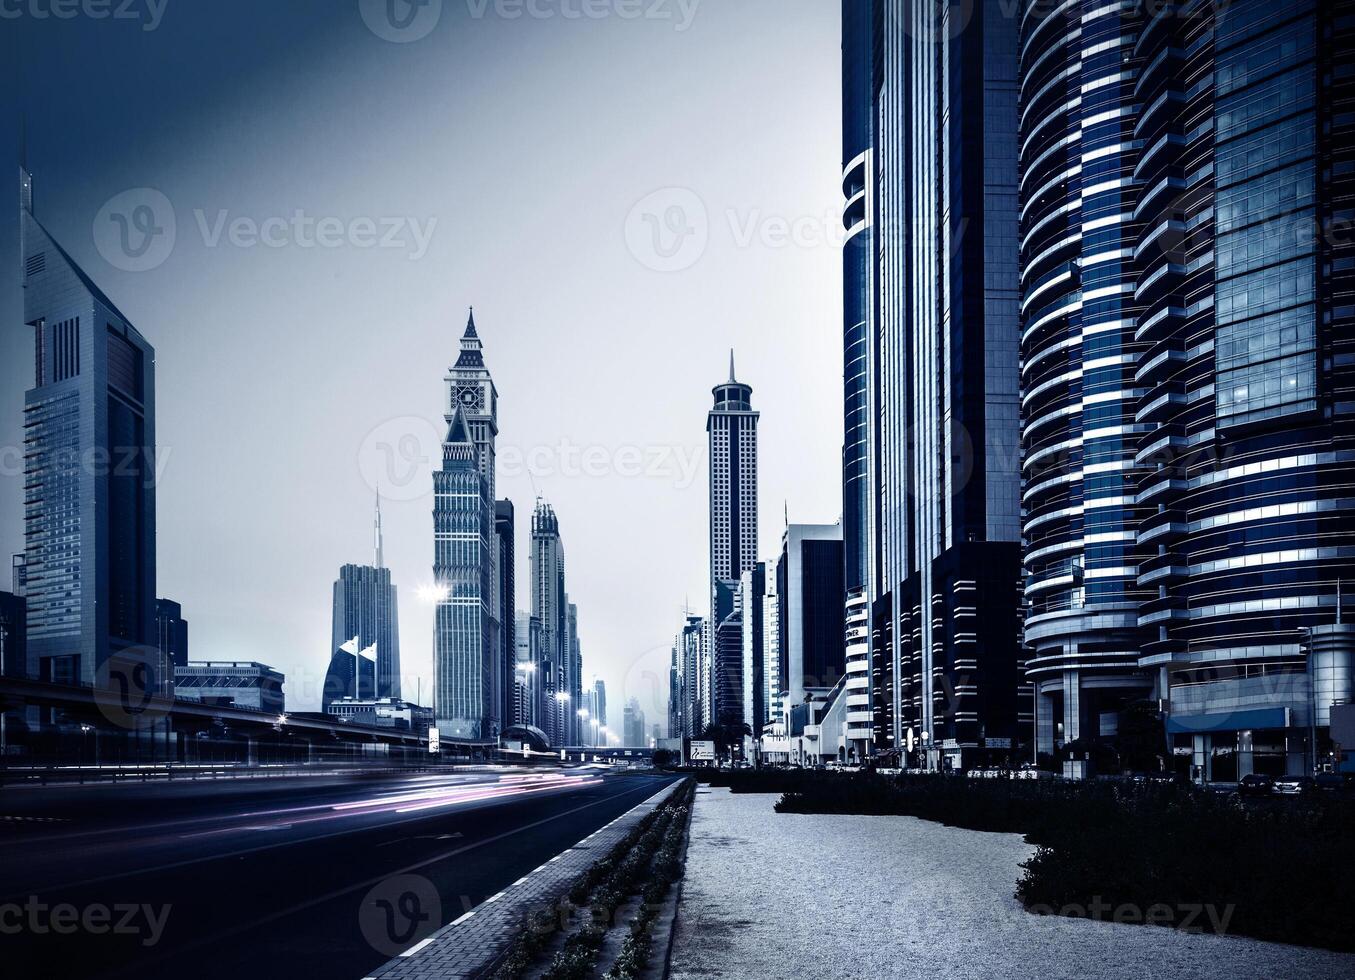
(231, 683)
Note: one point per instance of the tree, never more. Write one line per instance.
(725, 735)
(1142, 738)
(663, 758)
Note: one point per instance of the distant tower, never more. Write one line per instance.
(732, 430)
(463, 630)
(365, 606)
(549, 607)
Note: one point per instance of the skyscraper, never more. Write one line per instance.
(171, 630)
(89, 478)
(550, 607)
(731, 427)
(529, 671)
(752, 608)
(574, 682)
(461, 567)
(930, 161)
(809, 593)
(365, 607)
(505, 605)
(1189, 416)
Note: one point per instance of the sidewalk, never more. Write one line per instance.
(771, 895)
(471, 944)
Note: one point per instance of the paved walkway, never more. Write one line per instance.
(771, 895)
(472, 943)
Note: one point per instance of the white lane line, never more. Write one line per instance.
(417, 946)
(457, 922)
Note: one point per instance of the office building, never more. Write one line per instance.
(1188, 376)
(463, 659)
(753, 648)
(383, 713)
(365, 606)
(931, 523)
(550, 609)
(811, 645)
(171, 631)
(19, 577)
(232, 683)
(505, 609)
(89, 477)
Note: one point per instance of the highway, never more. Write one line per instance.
(317, 876)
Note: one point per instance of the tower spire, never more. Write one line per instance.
(25, 178)
(380, 552)
(731, 365)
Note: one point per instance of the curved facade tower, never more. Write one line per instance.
(1245, 280)
(1080, 357)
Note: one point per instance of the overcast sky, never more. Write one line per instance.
(623, 190)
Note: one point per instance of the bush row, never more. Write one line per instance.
(602, 889)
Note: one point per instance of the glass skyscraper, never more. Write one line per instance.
(933, 644)
(1188, 369)
(89, 479)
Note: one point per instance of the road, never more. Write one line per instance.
(322, 876)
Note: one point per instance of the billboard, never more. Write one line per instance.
(434, 741)
(702, 751)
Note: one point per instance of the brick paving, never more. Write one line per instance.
(474, 942)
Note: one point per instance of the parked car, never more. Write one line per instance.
(1293, 785)
(1255, 784)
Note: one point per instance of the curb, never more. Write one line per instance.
(478, 940)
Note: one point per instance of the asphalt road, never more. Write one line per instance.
(316, 877)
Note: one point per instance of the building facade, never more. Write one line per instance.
(89, 477)
(365, 606)
(811, 644)
(1187, 374)
(931, 332)
(232, 683)
(463, 636)
(505, 610)
(753, 648)
(731, 431)
(550, 609)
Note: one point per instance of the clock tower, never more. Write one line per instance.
(471, 389)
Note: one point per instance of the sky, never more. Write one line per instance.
(312, 195)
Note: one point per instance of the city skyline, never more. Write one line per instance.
(394, 331)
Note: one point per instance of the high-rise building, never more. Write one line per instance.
(505, 607)
(731, 429)
(753, 648)
(463, 636)
(599, 708)
(633, 731)
(1189, 374)
(771, 649)
(550, 608)
(529, 671)
(471, 660)
(931, 325)
(811, 645)
(365, 606)
(171, 630)
(574, 671)
(686, 710)
(89, 478)
(726, 666)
